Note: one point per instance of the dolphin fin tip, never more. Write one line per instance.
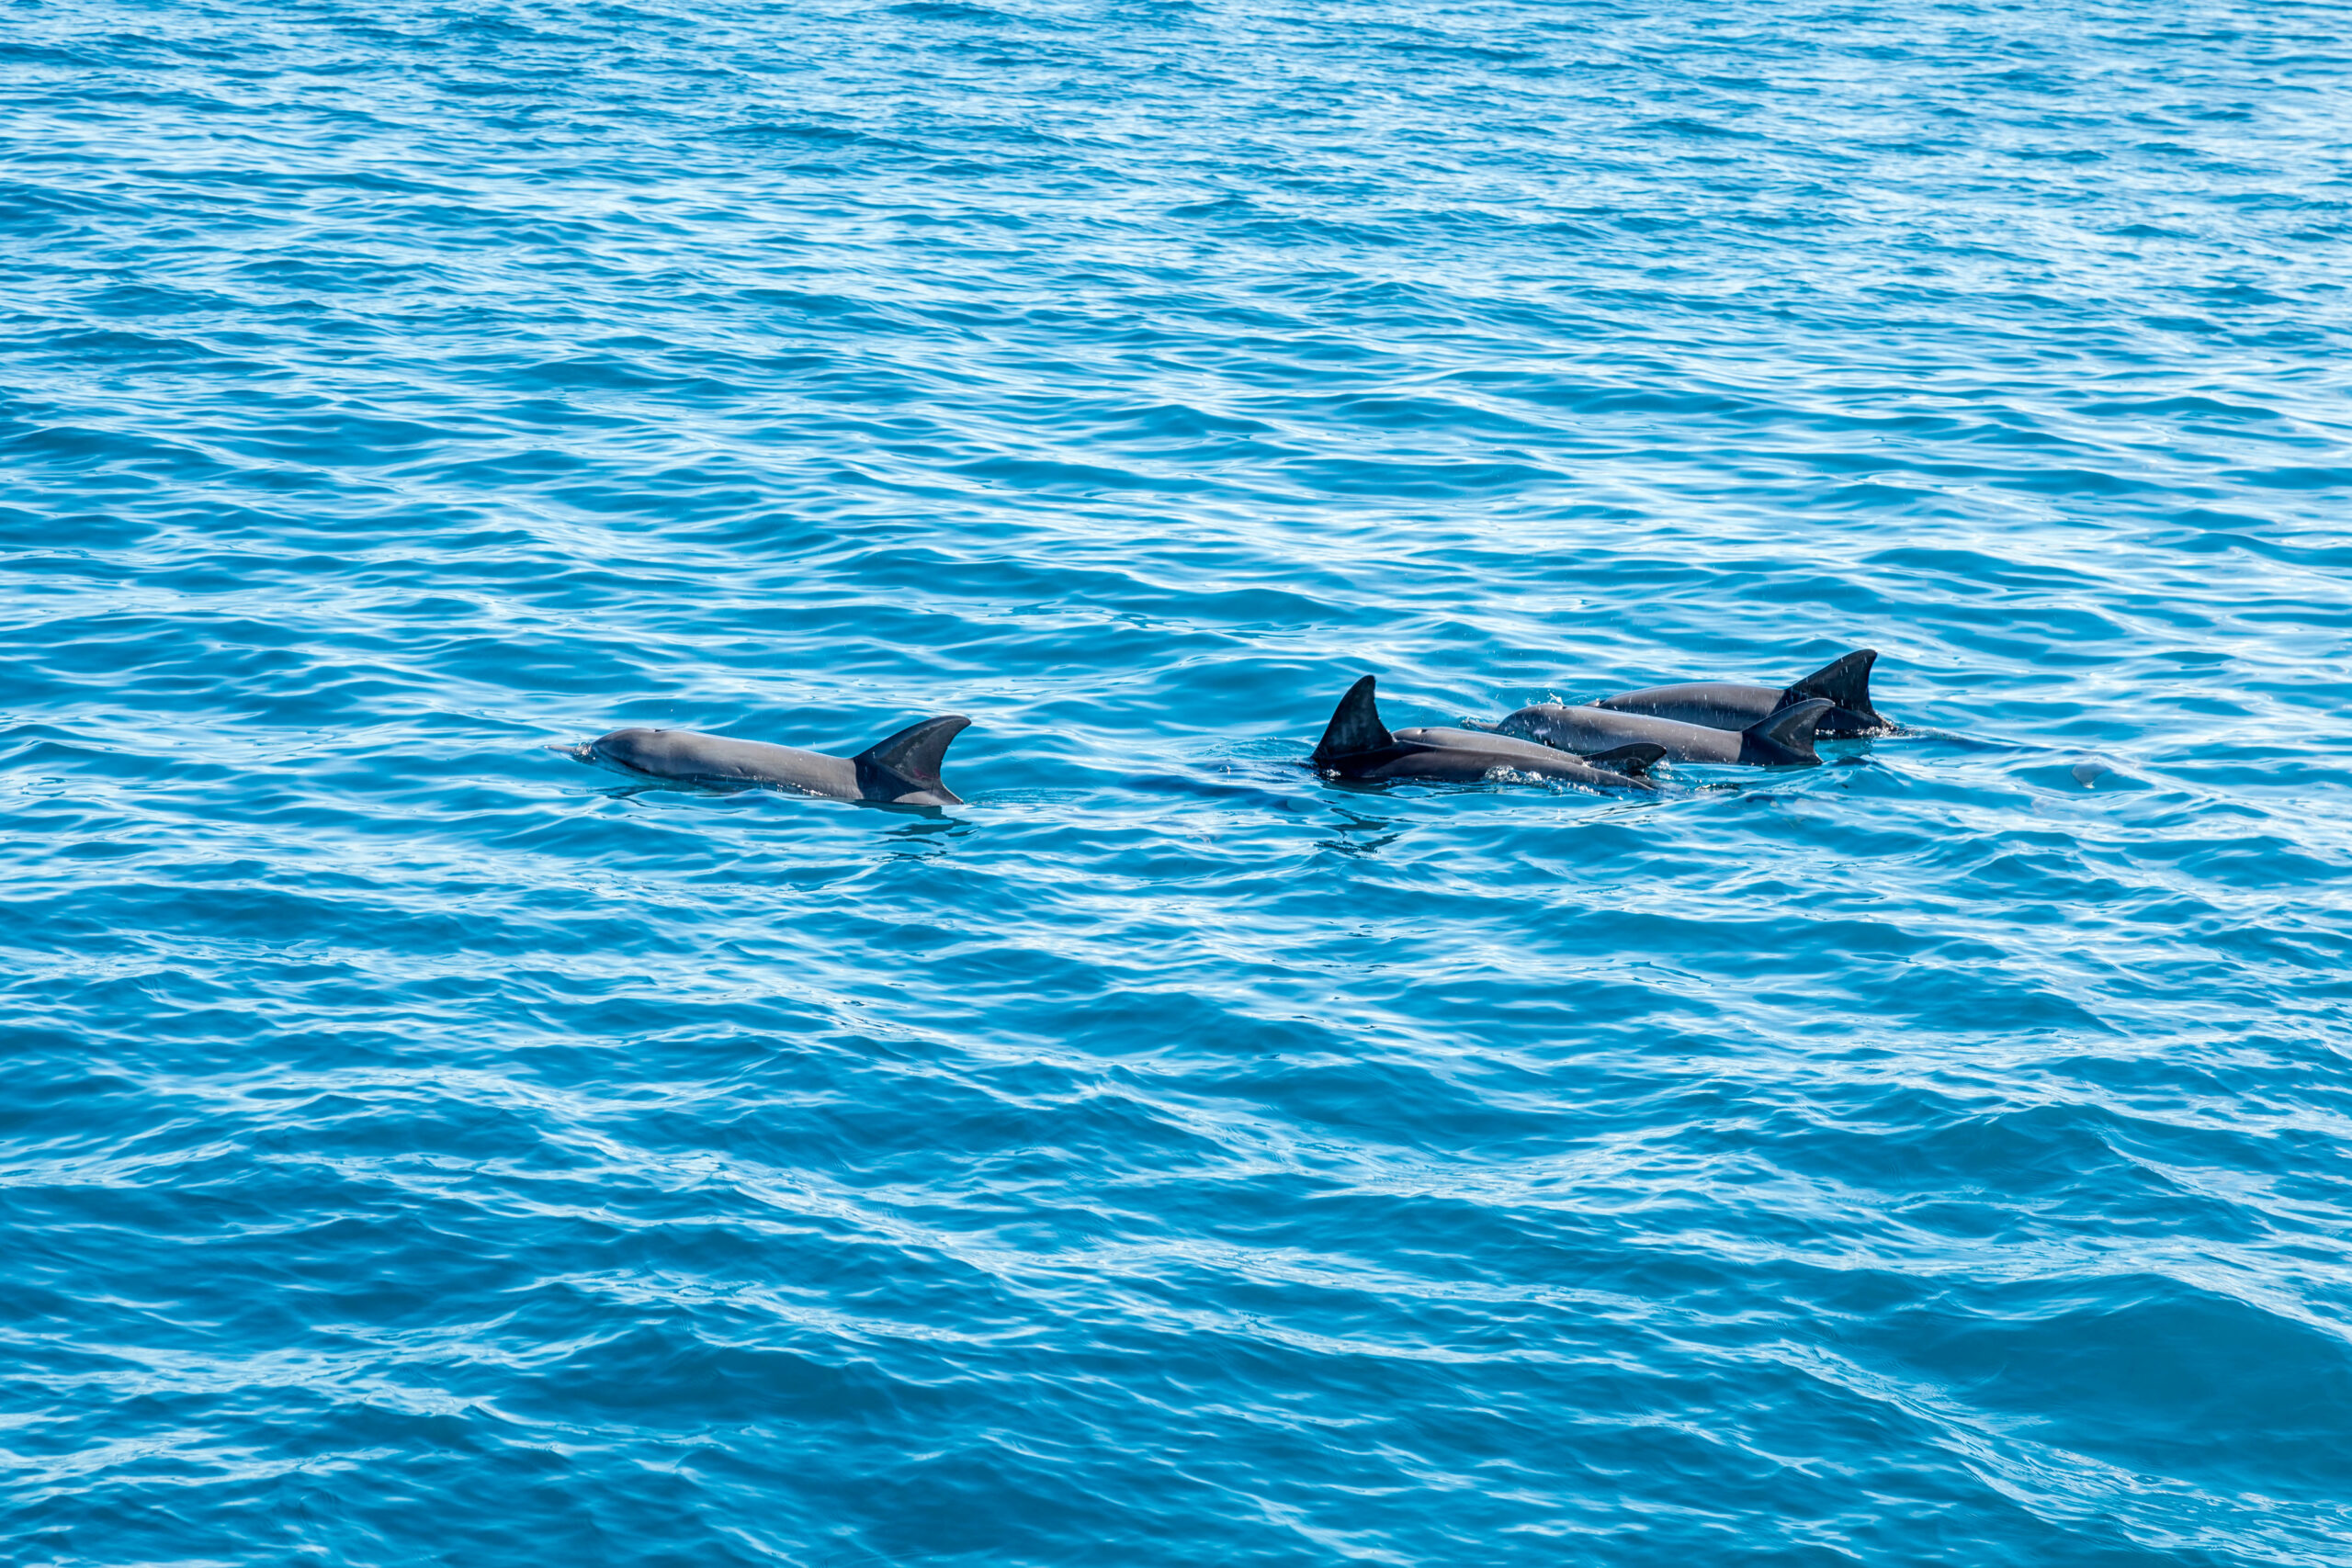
(1634, 759)
(1355, 726)
(1785, 735)
(1845, 681)
(908, 761)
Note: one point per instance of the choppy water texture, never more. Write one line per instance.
(422, 1147)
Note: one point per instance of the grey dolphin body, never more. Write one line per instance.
(900, 771)
(1356, 745)
(1780, 739)
(1727, 704)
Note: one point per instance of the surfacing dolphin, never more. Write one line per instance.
(900, 771)
(1356, 745)
(1728, 705)
(1782, 739)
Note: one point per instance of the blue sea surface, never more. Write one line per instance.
(417, 1147)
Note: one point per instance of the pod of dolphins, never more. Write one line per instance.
(1610, 743)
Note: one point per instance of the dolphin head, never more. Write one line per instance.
(628, 748)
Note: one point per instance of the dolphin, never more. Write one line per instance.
(900, 771)
(1780, 739)
(1726, 704)
(1356, 745)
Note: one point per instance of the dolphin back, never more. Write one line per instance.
(907, 764)
(1710, 705)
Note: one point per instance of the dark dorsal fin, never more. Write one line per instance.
(1355, 726)
(1634, 760)
(1785, 737)
(908, 763)
(1845, 681)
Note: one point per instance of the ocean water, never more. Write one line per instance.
(417, 1147)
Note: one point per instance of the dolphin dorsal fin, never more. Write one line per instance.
(1845, 681)
(911, 757)
(1634, 760)
(1355, 726)
(1785, 735)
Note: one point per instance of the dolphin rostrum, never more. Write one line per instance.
(1727, 704)
(900, 771)
(1780, 739)
(1356, 745)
